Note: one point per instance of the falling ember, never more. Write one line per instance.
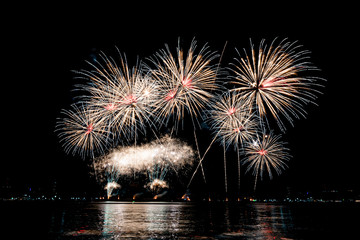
(130, 99)
(187, 82)
(231, 111)
(89, 128)
(170, 95)
(262, 152)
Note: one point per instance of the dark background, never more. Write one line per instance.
(43, 44)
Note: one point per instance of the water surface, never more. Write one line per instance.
(118, 220)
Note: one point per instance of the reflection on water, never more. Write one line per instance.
(180, 221)
(116, 220)
(139, 220)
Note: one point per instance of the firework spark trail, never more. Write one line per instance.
(239, 170)
(264, 154)
(272, 80)
(81, 132)
(225, 172)
(234, 124)
(231, 122)
(200, 161)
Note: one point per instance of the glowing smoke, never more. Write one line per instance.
(156, 158)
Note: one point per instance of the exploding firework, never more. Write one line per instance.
(264, 154)
(121, 102)
(81, 132)
(273, 79)
(110, 186)
(231, 120)
(156, 158)
(121, 95)
(185, 82)
(232, 123)
(156, 185)
(171, 155)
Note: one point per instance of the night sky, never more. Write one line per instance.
(42, 47)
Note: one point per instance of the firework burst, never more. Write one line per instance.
(120, 103)
(265, 154)
(232, 124)
(185, 82)
(156, 158)
(123, 96)
(231, 120)
(81, 132)
(273, 79)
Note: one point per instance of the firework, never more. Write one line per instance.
(110, 186)
(81, 132)
(273, 79)
(185, 82)
(120, 103)
(156, 158)
(232, 123)
(231, 120)
(157, 184)
(121, 95)
(264, 154)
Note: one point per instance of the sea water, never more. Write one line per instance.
(164, 220)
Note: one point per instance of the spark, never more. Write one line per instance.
(110, 107)
(171, 95)
(89, 129)
(187, 82)
(231, 111)
(262, 152)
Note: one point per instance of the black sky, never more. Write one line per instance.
(44, 45)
